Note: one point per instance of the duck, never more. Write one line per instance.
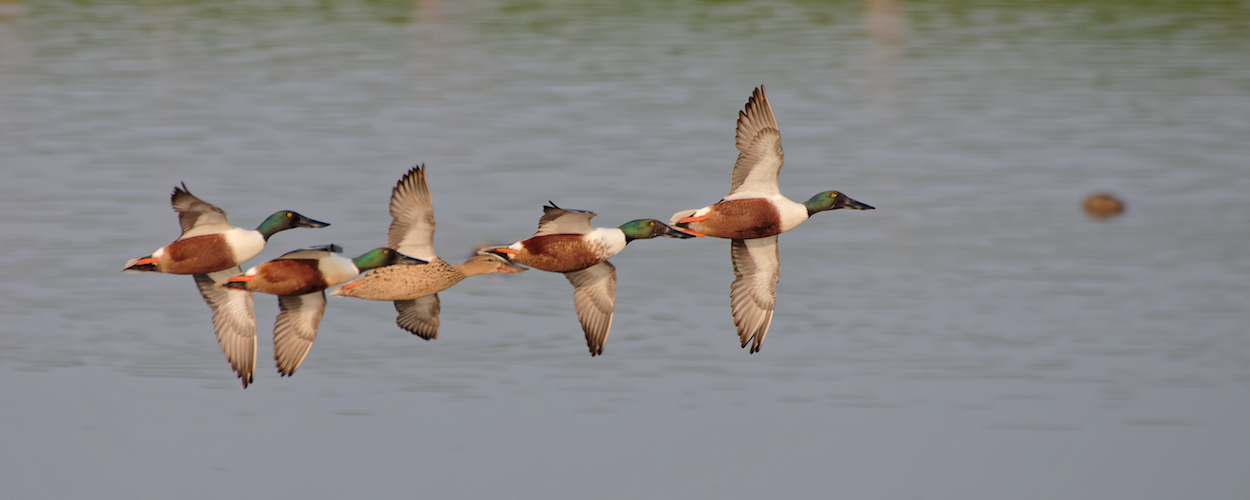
(752, 215)
(208, 242)
(413, 285)
(211, 250)
(299, 278)
(567, 243)
(415, 279)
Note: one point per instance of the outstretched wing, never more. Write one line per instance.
(753, 293)
(233, 319)
(313, 252)
(759, 145)
(556, 220)
(594, 296)
(194, 213)
(296, 329)
(412, 216)
(419, 316)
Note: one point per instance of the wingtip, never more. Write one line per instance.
(417, 172)
(424, 335)
(179, 191)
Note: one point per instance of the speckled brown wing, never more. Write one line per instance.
(594, 296)
(419, 316)
(234, 320)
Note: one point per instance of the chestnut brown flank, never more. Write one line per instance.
(197, 255)
(288, 277)
(740, 219)
(557, 253)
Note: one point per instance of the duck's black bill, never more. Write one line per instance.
(306, 222)
(669, 232)
(855, 205)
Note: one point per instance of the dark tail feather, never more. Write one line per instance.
(237, 285)
(132, 267)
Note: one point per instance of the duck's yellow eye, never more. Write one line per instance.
(652, 223)
(289, 214)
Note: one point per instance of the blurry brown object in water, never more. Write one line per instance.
(1103, 205)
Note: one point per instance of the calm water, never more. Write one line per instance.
(976, 337)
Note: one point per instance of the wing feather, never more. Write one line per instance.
(412, 213)
(594, 296)
(753, 294)
(312, 252)
(195, 213)
(419, 316)
(556, 220)
(759, 144)
(296, 329)
(234, 320)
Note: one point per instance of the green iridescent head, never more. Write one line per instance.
(281, 221)
(378, 257)
(833, 200)
(642, 229)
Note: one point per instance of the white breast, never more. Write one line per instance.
(337, 269)
(792, 214)
(245, 243)
(607, 241)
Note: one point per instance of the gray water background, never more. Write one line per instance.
(976, 337)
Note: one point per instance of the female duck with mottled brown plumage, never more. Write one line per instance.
(414, 281)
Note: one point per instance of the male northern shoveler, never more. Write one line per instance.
(414, 282)
(210, 250)
(208, 242)
(567, 243)
(299, 279)
(753, 214)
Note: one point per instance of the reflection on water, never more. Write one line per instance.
(975, 334)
